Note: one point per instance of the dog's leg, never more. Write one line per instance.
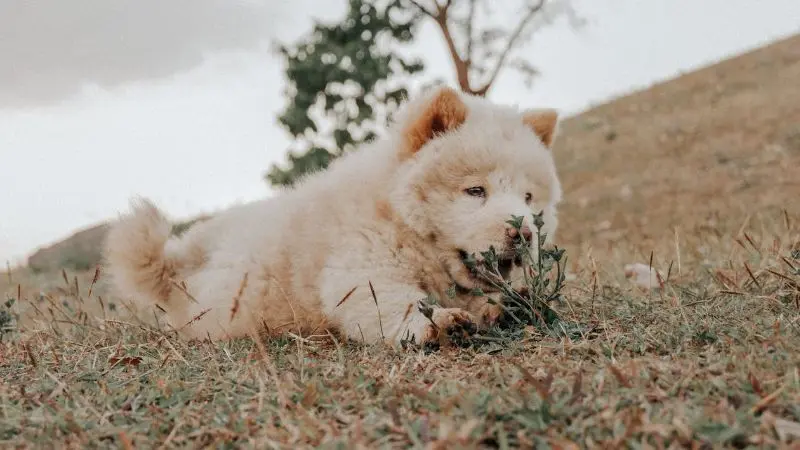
(224, 303)
(394, 314)
(444, 324)
(487, 308)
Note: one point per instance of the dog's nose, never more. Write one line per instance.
(524, 230)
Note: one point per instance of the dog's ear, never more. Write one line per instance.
(543, 122)
(443, 111)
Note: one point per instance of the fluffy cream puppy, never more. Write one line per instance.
(354, 248)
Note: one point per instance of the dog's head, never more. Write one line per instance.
(468, 166)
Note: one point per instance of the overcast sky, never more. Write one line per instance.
(176, 99)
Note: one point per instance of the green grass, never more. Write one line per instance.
(711, 361)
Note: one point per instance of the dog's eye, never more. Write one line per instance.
(477, 191)
(528, 198)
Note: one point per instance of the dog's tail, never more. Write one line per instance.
(135, 256)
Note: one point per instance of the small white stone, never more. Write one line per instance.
(643, 276)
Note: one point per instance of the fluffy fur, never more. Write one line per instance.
(395, 217)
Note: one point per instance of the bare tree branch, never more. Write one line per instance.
(512, 40)
(462, 68)
(464, 63)
(470, 38)
(440, 17)
(425, 10)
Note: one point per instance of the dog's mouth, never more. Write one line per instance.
(505, 262)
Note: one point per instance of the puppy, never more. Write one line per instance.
(354, 248)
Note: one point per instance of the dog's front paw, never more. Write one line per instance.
(490, 314)
(452, 324)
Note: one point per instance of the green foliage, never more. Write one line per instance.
(182, 227)
(543, 283)
(524, 306)
(345, 74)
(8, 318)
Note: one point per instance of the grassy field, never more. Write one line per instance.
(696, 177)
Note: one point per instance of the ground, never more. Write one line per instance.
(696, 177)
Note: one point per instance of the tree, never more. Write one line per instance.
(347, 74)
(351, 74)
(481, 48)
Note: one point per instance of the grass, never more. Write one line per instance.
(532, 308)
(709, 361)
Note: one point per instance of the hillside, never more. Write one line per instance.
(696, 154)
(81, 251)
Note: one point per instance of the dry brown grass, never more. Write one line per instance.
(709, 361)
(698, 154)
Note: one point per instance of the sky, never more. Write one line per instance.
(176, 100)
